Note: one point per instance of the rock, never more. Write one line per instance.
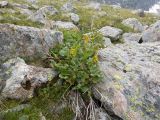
(94, 5)
(134, 24)
(28, 42)
(74, 18)
(64, 25)
(111, 32)
(67, 7)
(4, 4)
(22, 79)
(132, 37)
(41, 14)
(107, 42)
(152, 34)
(131, 84)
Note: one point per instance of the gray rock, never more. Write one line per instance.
(4, 3)
(131, 82)
(107, 42)
(64, 25)
(132, 37)
(74, 18)
(26, 42)
(111, 32)
(94, 5)
(152, 34)
(22, 79)
(41, 14)
(67, 7)
(134, 24)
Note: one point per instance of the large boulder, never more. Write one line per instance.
(134, 24)
(131, 84)
(20, 80)
(152, 34)
(111, 32)
(26, 42)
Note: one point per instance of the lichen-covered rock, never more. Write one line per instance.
(21, 79)
(134, 24)
(111, 32)
(131, 83)
(152, 34)
(64, 25)
(26, 42)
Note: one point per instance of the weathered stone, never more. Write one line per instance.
(134, 24)
(74, 17)
(131, 84)
(26, 42)
(21, 79)
(132, 37)
(4, 4)
(107, 42)
(152, 34)
(111, 32)
(64, 25)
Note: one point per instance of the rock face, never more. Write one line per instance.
(134, 24)
(64, 25)
(131, 84)
(152, 34)
(111, 32)
(21, 79)
(26, 41)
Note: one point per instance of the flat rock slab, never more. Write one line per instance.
(131, 84)
(26, 42)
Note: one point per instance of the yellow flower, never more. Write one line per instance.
(86, 38)
(73, 52)
(95, 58)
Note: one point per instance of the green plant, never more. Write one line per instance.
(76, 60)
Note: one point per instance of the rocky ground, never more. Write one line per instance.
(129, 61)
